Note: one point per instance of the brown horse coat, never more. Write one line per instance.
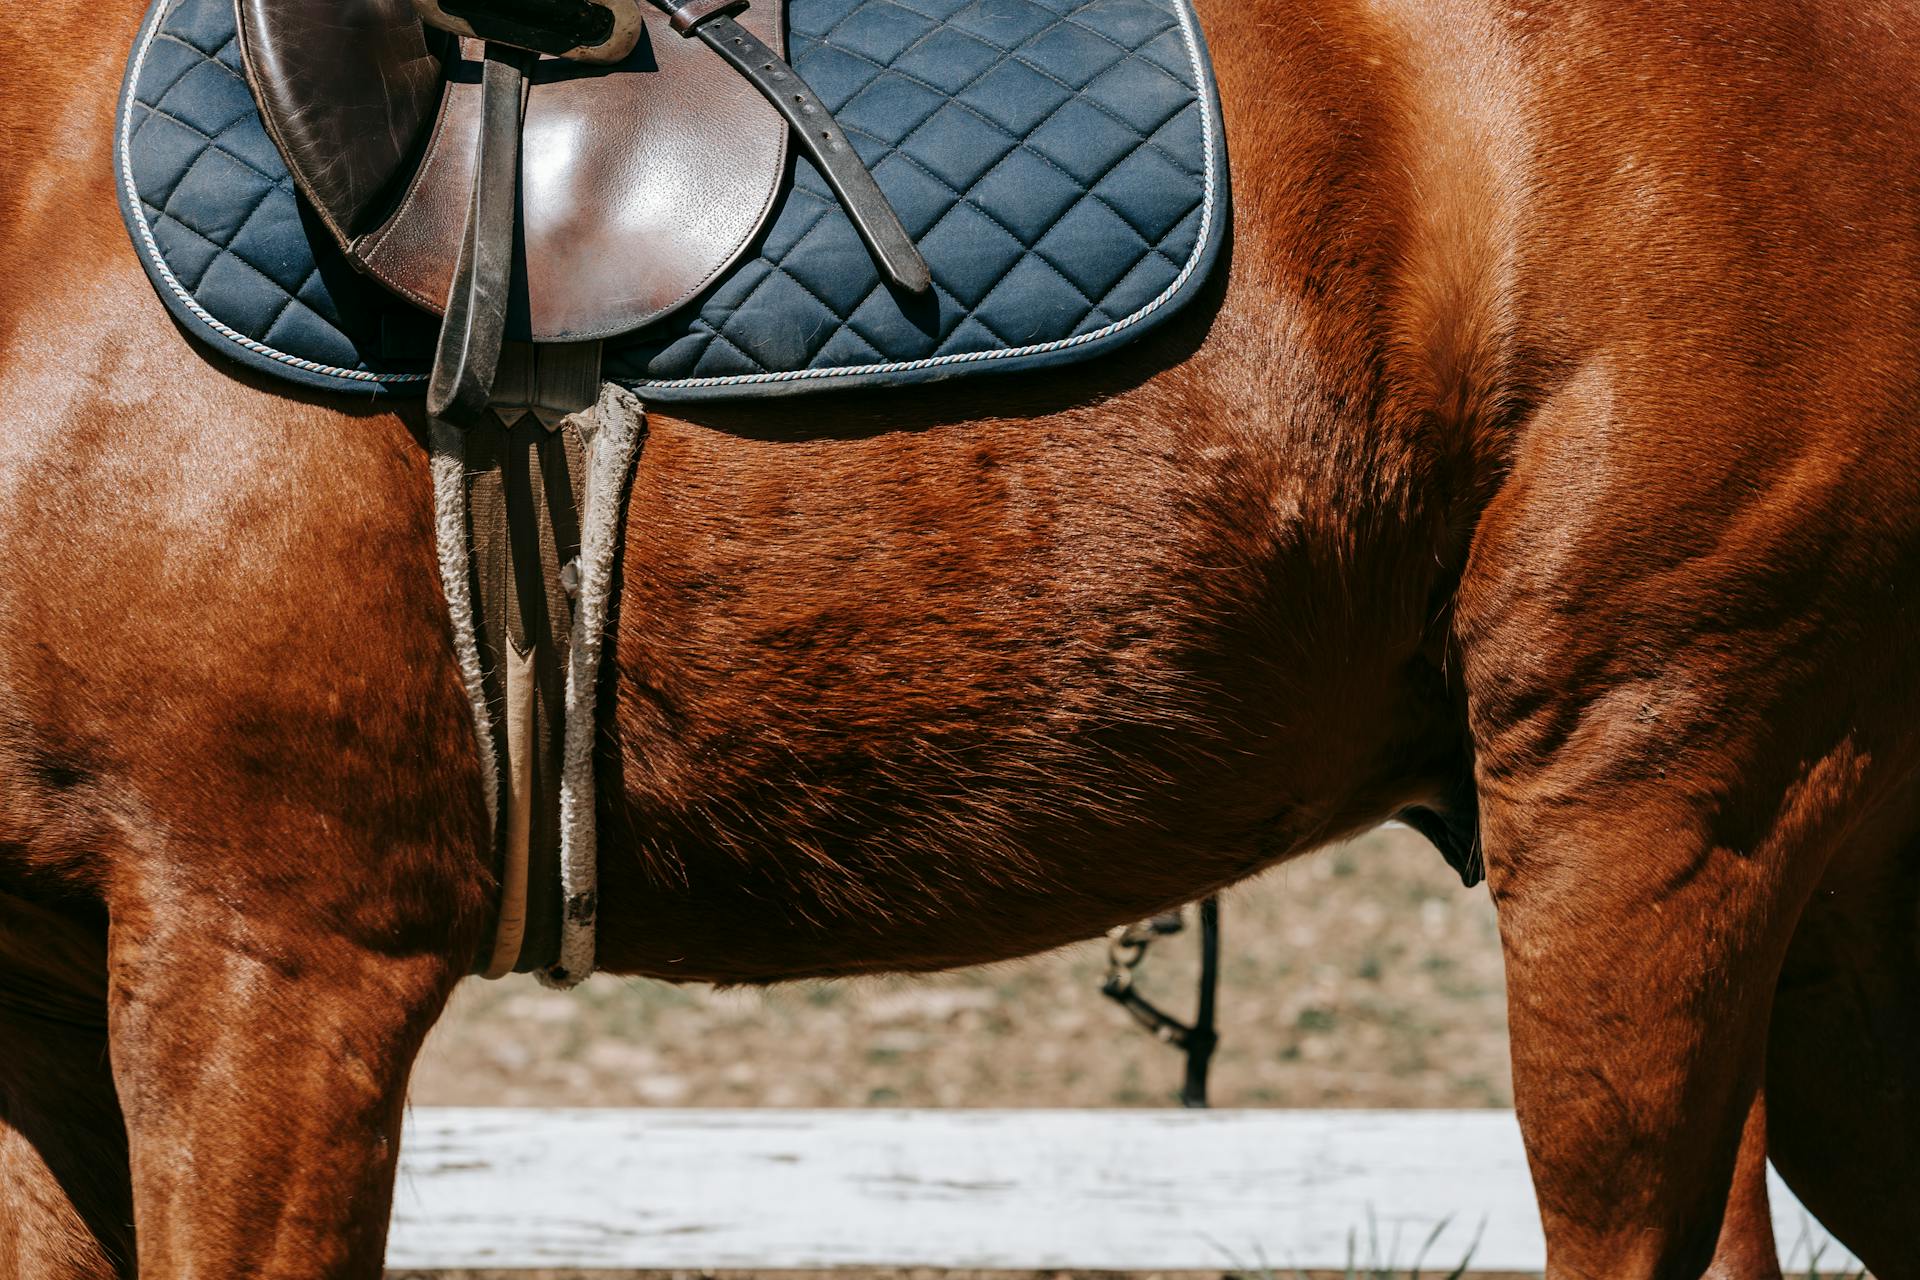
(1554, 438)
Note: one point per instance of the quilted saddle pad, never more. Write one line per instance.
(1060, 164)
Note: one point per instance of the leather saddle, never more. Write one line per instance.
(637, 185)
(545, 174)
(592, 165)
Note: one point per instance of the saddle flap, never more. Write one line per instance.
(347, 92)
(639, 182)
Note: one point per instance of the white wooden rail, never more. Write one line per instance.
(1108, 1190)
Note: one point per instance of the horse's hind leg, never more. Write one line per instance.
(1641, 957)
(65, 1206)
(1843, 1065)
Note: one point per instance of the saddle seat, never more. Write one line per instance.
(639, 182)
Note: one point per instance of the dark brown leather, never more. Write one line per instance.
(639, 183)
(468, 355)
(359, 135)
(578, 30)
(820, 134)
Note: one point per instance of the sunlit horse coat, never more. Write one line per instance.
(1552, 441)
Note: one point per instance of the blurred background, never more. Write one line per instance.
(1360, 976)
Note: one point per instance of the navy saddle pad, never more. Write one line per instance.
(1060, 164)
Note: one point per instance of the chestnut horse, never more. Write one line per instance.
(1550, 448)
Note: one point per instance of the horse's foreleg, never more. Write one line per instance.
(64, 1207)
(262, 1053)
(1641, 958)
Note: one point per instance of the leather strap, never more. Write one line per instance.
(522, 515)
(825, 142)
(684, 17)
(518, 677)
(476, 315)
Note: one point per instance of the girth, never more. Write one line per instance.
(530, 452)
(510, 485)
(528, 500)
(522, 475)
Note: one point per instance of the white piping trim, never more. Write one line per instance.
(1208, 203)
(151, 248)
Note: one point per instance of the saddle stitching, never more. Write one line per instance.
(952, 96)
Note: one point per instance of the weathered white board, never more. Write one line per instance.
(1110, 1190)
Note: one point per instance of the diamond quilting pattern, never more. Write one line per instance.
(221, 210)
(1057, 161)
(1047, 155)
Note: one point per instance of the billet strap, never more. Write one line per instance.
(523, 524)
(519, 681)
(814, 126)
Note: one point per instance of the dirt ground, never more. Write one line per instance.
(1363, 976)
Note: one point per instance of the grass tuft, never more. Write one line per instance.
(1379, 1263)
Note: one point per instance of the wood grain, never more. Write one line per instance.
(1121, 1190)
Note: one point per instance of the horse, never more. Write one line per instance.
(1547, 456)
